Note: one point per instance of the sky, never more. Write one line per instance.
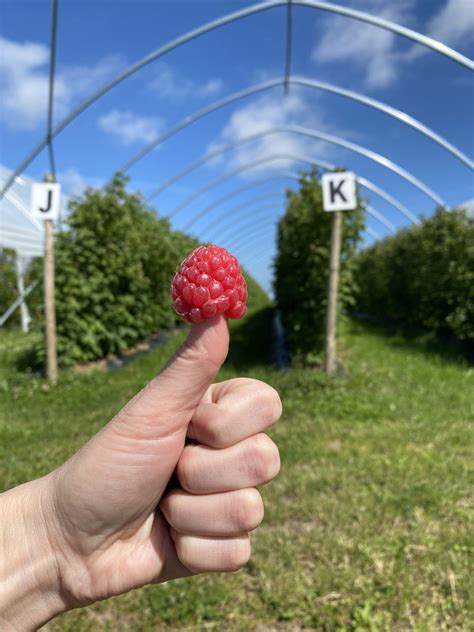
(98, 39)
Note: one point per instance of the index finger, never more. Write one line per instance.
(236, 409)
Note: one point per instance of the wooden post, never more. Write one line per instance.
(49, 306)
(331, 313)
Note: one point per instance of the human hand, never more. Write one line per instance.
(107, 515)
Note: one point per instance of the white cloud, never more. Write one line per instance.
(72, 182)
(369, 47)
(374, 51)
(212, 87)
(169, 84)
(24, 68)
(265, 113)
(129, 128)
(453, 25)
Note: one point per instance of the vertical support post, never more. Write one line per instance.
(49, 304)
(331, 313)
(20, 284)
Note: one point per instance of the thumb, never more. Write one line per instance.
(168, 402)
(121, 473)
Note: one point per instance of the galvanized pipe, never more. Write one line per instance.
(295, 129)
(399, 115)
(250, 165)
(214, 24)
(245, 205)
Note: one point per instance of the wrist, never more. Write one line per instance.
(30, 588)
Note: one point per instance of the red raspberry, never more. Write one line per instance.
(209, 282)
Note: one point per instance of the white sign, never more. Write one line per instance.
(339, 191)
(45, 200)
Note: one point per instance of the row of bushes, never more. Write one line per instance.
(113, 268)
(423, 275)
(114, 264)
(302, 262)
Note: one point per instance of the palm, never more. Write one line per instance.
(115, 536)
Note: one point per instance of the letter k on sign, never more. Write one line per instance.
(339, 191)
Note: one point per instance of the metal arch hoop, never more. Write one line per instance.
(232, 17)
(237, 217)
(232, 213)
(373, 233)
(335, 140)
(399, 115)
(248, 241)
(265, 220)
(238, 228)
(235, 246)
(233, 193)
(362, 181)
(262, 238)
(269, 220)
(250, 165)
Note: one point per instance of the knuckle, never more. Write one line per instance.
(263, 459)
(185, 553)
(249, 510)
(170, 507)
(165, 506)
(185, 469)
(213, 435)
(268, 402)
(237, 554)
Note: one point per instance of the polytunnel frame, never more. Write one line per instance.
(314, 84)
(240, 229)
(295, 129)
(268, 158)
(280, 194)
(317, 163)
(362, 16)
(52, 132)
(234, 217)
(236, 228)
(252, 248)
(261, 237)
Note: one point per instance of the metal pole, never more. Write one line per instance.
(49, 305)
(331, 314)
(20, 282)
(6, 315)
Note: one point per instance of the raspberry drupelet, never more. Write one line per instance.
(209, 282)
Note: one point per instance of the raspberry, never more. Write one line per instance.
(209, 282)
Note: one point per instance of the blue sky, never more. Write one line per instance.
(98, 39)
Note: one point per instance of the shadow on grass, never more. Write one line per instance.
(252, 340)
(405, 337)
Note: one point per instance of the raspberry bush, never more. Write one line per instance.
(301, 266)
(113, 266)
(423, 276)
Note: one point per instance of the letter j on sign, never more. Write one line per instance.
(339, 191)
(45, 200)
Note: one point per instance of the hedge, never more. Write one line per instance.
(113, 267)
(423, 276)
(302, 262)
(114, 263)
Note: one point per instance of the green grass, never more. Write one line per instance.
(368, 526)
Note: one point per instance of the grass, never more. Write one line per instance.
(368, 526)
